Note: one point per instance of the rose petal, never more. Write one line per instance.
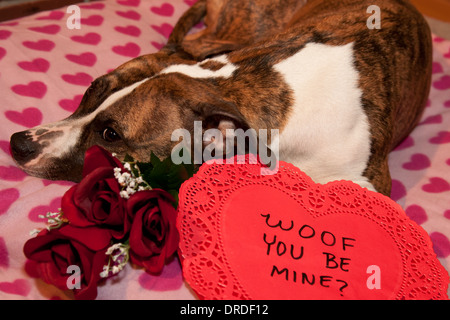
(76, 203)
(93, 238)
(154, 264)
(74, 213)
(140, 198)
(50, 274)
(36, 248)
(136, 242)
(90, 291)
(96, 157)
(172, 238)
(57, 249)
(153, 235)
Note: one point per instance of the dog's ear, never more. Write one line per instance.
(220, 114)
(186, 22)
(208, 41)
(209, 46)
(220, 119)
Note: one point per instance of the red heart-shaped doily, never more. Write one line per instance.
(247, 235)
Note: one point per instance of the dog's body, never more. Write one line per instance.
(342, 96)
(232, 24)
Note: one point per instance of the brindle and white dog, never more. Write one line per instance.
(342, 95)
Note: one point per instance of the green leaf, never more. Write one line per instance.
(174, 194)
(154, 160)
(164, 174)
(128, 158)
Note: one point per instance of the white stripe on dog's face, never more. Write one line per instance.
(197, 71)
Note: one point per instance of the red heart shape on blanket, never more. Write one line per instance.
(436, 185)
(71, 104)
(36, 212)
(5, 147)
(95, 6)
(2, 53)
(129, 30)
(94, 20)
(443, 83)
(244, 235)
(437, 67)
(442, 137)
(5, 34)
(89, 38)
(35, 89)
(157, 45)
(7, 198)
(53, 15)
(432, 120)
(417, 214)
(50, 29)
(80, 79)
(447, 55)
(165, 29)
(441, 244)
(131, 50)
(41, 45)
(20, 287)
(131, 3)
(4, 255)
(130, 14)
(166, 10)
(36, 65)
(418, 161)
(12, 173)
(84, 59)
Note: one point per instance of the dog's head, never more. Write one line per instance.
(133, 110)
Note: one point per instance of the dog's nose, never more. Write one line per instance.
(23, 148)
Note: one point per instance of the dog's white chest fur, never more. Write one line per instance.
(327, 133)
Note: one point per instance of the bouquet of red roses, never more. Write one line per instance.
(119, 212)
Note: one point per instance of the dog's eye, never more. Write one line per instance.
(110, 135)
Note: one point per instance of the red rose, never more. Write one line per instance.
(96, 199)
(57, 249)
(153, 235)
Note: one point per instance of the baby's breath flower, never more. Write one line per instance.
(118, 258)
(34, 232)
(54, 219)
(130, 190)
(132, 181)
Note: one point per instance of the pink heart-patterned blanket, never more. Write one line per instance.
(45, 68)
